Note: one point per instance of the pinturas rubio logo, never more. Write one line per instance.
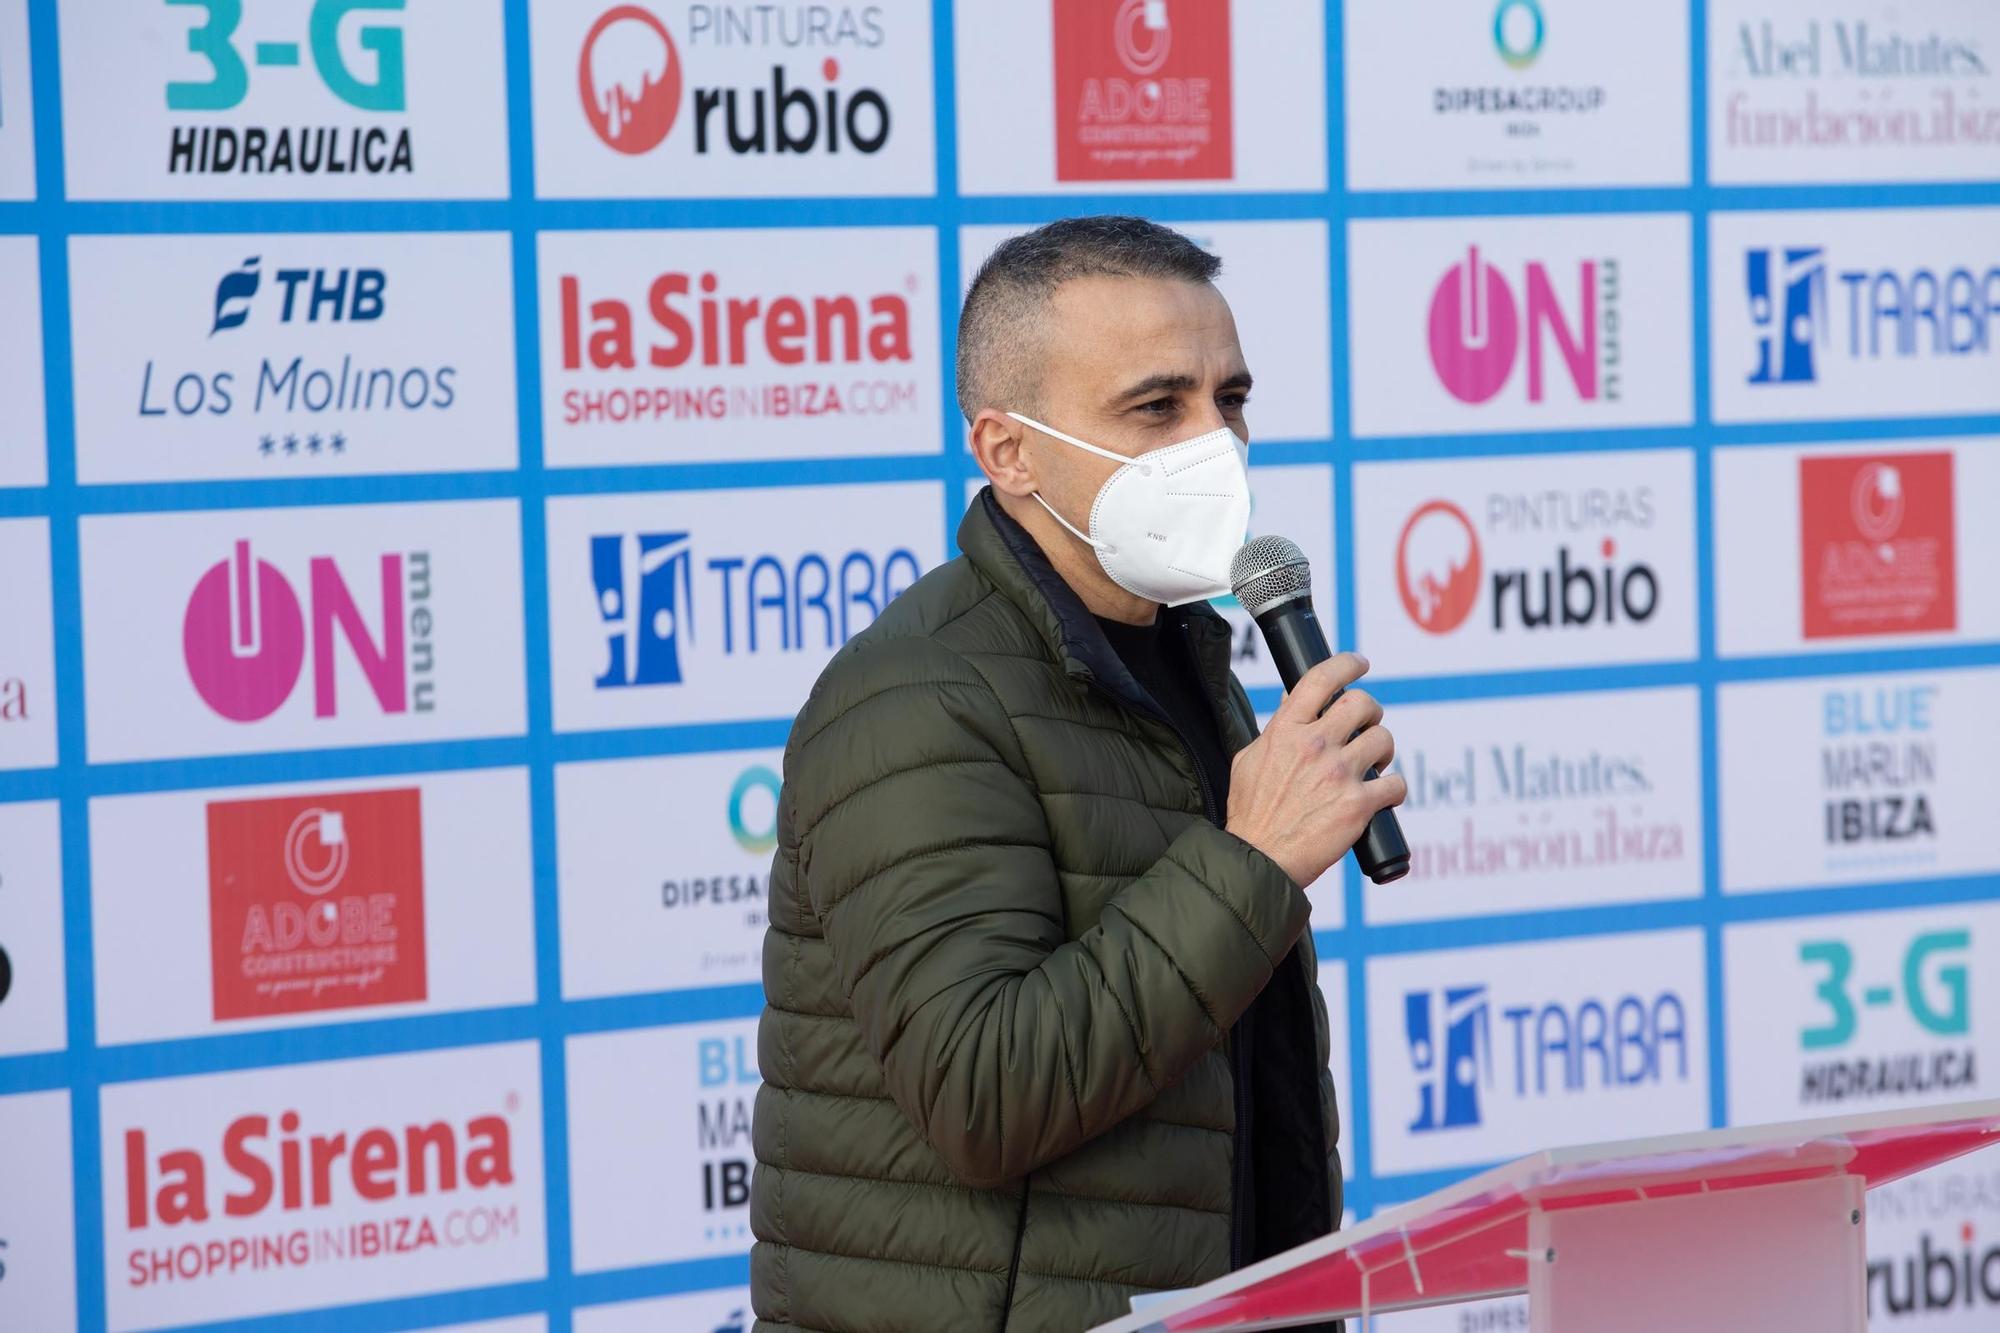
(1877, 544)
(630, 78)
(1478, 329)
(367, 76)
(1142, 90)
(1442, 575)
(246, 633)
(316, 902)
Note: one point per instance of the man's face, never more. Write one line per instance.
(1132, 365)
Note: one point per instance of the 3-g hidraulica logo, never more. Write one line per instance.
(375, 84)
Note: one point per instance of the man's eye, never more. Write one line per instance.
(1234, 402)
(1158, 406)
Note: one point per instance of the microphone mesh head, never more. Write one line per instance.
(1267, 571)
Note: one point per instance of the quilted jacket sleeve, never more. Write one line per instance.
(924, 854)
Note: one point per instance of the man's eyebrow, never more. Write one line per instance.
(1164, 382)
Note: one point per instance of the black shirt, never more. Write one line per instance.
(1281, 1196)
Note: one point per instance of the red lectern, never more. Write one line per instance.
(1754, 1228)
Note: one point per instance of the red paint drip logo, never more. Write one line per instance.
(316, 902)
(630, 78)
(1437, 566)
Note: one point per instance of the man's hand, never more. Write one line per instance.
(1299, 793)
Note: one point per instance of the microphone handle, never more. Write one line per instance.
(1297, 645)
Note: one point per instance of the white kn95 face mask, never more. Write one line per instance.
(1166, 524)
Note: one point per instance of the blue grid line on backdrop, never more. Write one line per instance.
(84, 1066)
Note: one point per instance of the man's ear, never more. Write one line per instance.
(997, 442)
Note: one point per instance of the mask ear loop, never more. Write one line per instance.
(1143, 469)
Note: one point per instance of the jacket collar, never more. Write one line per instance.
(1010, 558)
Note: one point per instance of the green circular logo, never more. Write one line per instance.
(1521, 41)
(755, 778)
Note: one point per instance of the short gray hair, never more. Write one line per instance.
(1009, 297)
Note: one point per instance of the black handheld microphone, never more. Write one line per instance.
(1271, 579)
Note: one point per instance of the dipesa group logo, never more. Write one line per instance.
(312, 1185)
(316, 902)
(651, 360)
(1143, 90)
(1877, 548)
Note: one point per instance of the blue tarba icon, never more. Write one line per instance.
(645, 597)
(1787, 311)
(1448, 1078)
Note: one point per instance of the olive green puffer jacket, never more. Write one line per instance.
(1006, 948)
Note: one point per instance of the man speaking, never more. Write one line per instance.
(1042, 1025)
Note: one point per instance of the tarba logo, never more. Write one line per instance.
(1878, 554)
(1552, 1048)
(1437, 566)
(316, 902)
(1518, 30)
(630, 77)
(244, 636)
(1142, 90)
(645, 595)
(1451, 1050)
(374, 83)
(755, 788)
(1787, 311)
(1476, 328)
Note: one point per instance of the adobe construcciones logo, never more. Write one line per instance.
(1877, 552)
(316, 902)
(1142, 90)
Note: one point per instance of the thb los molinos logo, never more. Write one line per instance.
(365, 73)
(1142, 90)
(1483, 323)
(1878, 554)
(246, 635)
(316, 902)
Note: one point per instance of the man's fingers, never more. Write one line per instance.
(1373, 748)
(1317, 687)
(1353, 711)
(1387, 790)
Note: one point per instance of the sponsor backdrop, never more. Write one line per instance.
(441, 441)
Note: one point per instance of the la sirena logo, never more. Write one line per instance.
(693, 322)
(630, 77)
(295, 1170)
(1476, 329)
(244, 636)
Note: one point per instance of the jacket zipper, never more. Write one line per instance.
(1014, 1268)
